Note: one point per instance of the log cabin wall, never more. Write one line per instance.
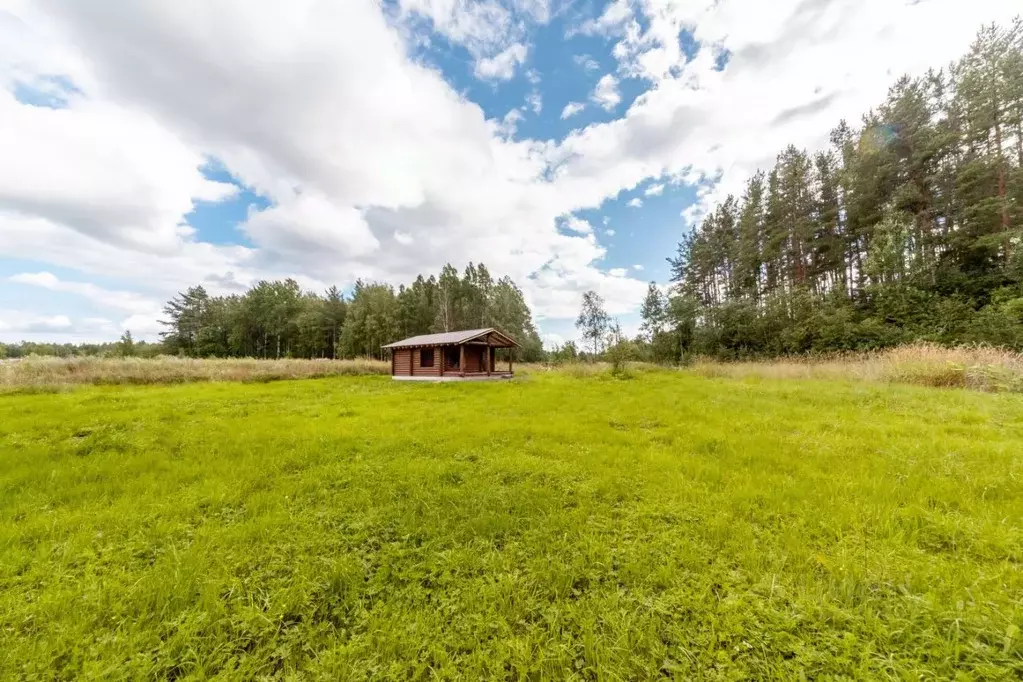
(450, 357)
(418, 355)
(402, 358)
(474, 358)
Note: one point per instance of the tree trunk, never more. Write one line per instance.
(1002, 198)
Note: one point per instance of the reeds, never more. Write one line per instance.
(975, 367)
(43, 372)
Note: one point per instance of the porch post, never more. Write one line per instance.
(439, 350)
(461, 359)
(511, 354)
(486, 358)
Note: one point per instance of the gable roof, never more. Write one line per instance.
(449, 338)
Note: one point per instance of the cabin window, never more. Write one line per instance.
(426, 357)
(453, 357)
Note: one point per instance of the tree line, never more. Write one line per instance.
(277, 319)
(907, 228)
(125, 347)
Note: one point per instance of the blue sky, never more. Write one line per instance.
(568, 144)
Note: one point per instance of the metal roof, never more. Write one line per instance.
(446, 338)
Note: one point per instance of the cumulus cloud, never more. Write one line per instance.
(103, 170)
(637, 268)
(654, 190)
(535, 102)
(510, 122)
(571, 109)
(588, 63)
(578, 225)
(606, 92)
(614, 16)
(502, 65)
(635, 202)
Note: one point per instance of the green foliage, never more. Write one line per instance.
(564, 353)
(903, 231)
(277, 319)
(620, 351)
(593, 320)
(26, 349)
(126, 345)
(552, 528)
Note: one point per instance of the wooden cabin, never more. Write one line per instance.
(452, 356)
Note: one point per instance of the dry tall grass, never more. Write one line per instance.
(975, 367)
(56, 372)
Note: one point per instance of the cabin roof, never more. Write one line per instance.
(450, 338)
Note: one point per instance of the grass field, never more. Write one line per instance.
(554, 527)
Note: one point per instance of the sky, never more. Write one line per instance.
(149, 146)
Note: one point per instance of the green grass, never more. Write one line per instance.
(554, 527)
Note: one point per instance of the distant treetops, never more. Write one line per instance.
(277, 319)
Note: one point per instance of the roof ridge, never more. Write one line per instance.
(445, 338)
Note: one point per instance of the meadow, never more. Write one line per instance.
(564, 525)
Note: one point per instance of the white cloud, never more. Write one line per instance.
(102, 169)
(121, 300)
(618, 272)
(614, 15)
(654, 190)
(535, 102)
(510, 122)
(609, 232)
(310, 225)
(19, 325)
(571, 109)
(403, 238)
(606, 92)
(143, 320)
(578, 225)
(18, 322)
(588, 63)
(143, 327)
(637, 267)
(635, 202)
(502, 66)
(533, 76)
(552, 340)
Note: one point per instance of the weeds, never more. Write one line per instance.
(49, 372)
(975, 367)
